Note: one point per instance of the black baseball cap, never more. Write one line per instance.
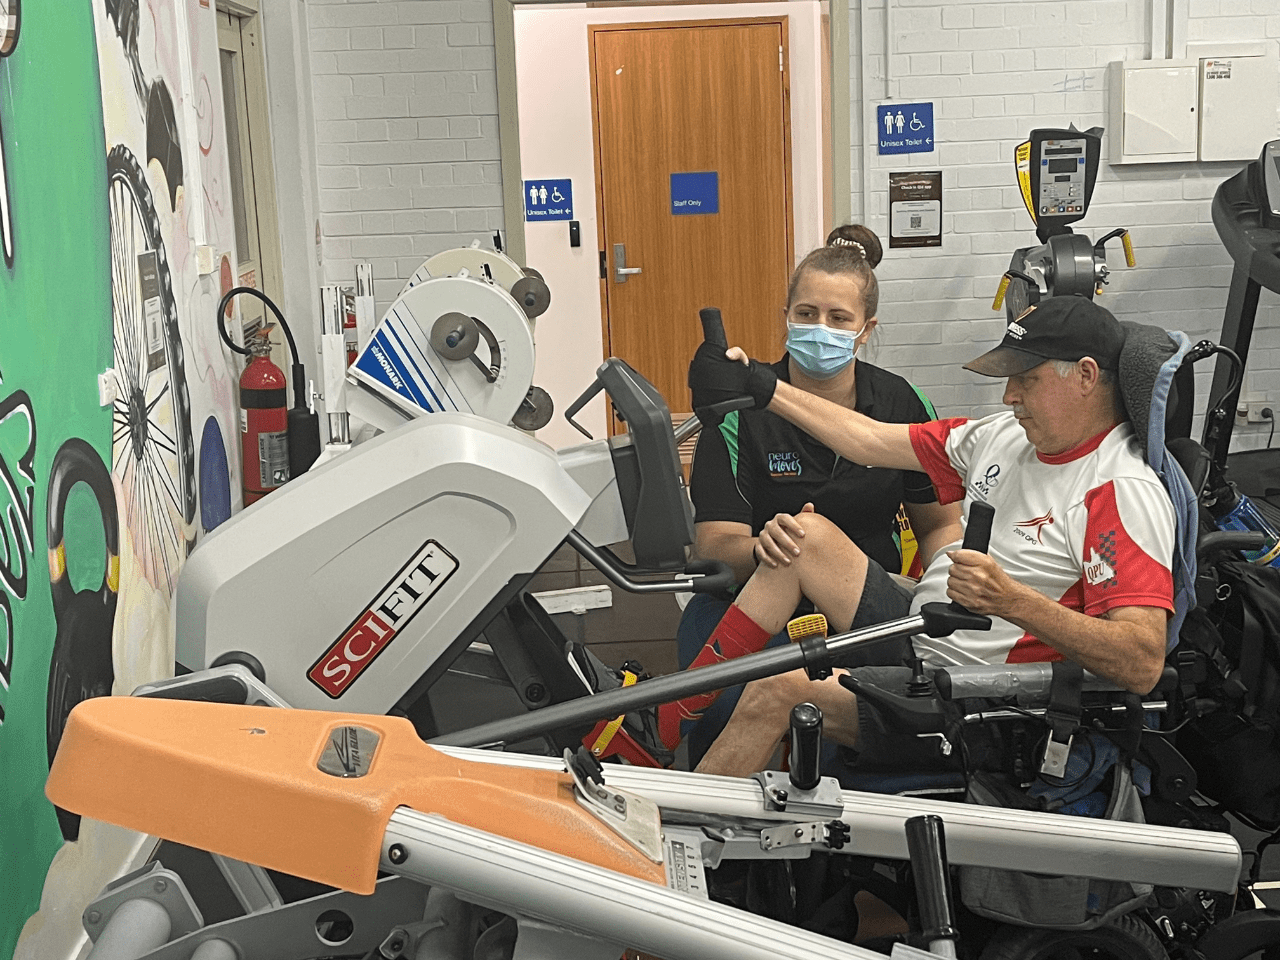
(1059, 328)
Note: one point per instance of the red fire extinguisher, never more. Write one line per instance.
(264, 421)
(275, 444)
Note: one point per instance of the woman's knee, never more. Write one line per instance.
(823, 540)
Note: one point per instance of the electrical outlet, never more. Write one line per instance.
(1253, 411)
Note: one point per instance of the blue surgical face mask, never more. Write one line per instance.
(821, 351)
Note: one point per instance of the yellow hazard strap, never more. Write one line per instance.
(613, 726)
(1128, 249)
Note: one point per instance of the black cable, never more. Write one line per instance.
(1267, 414)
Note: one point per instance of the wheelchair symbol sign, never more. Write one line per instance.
(548, 200)
(905, 128)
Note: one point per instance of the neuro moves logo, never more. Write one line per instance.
(390, 611)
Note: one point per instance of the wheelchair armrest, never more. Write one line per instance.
(913, 714)
(1029, 682)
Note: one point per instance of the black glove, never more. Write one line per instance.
(718, 384)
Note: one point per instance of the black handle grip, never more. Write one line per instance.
(977, 536)
(927, 850)
(713, 326)
(806, 745)
(977, 532)
(712, 576)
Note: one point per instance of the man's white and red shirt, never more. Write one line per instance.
(1092, 528)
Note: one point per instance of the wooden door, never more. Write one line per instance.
(693, 97)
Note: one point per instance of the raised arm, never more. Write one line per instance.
(721, 380)
(850, 434)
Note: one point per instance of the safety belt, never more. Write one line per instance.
(1063, 716)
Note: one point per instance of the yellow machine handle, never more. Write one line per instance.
(998, 302)
(1127, 242)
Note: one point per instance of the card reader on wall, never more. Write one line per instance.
(575, 234)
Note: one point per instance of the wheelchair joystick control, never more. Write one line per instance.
(920, 684)
(806, 745)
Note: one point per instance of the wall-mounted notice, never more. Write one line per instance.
(905, 127)
(693, 193)
(915, 209)
(548, 200)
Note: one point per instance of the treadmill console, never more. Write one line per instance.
(1265, 185)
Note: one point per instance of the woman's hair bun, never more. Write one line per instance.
(856, 237)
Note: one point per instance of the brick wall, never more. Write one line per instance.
(406, 132)
(994, 71)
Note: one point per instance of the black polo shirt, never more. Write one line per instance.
(757, 465)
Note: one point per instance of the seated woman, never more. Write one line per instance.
(766, 492)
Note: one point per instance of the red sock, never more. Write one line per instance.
(735, 635)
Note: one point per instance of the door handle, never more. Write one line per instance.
(620, 269)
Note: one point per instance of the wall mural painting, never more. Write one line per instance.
(112, 171)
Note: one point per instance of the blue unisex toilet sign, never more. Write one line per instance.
(905, 127)
(548, 199)
(693, 193)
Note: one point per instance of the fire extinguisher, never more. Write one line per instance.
(264, 422)
(276, 444)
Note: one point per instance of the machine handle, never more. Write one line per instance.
(709, 576)
(942, 619)
(713, 327)
(927, 851)
(806, 746)
(713, 333)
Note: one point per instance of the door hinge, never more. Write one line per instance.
(779, 58)
(604, 267)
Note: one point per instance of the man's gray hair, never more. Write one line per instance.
(1064, 367)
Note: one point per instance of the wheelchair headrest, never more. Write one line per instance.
(1145, 351)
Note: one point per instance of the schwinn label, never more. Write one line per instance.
(390, 612)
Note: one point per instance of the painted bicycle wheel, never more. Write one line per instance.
(152, 450)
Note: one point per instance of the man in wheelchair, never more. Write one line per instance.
(1079, 567)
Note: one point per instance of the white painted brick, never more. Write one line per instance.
(335, 177)
(366, 38)
(429, 11)
(330, 39)
(433, 128)
(367, 85)
(371, 177)
(340, 224)
(354, 15)
(394, 38)
(464, 34)
(402, 129)
(989, 15)
(988, 61)
(926, 40)
(434, 151)
(371, 130)
(428, 59)
(435, 174)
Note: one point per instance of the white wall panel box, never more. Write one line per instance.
(1237, 106)
(1153, 111)
(1219, 106)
